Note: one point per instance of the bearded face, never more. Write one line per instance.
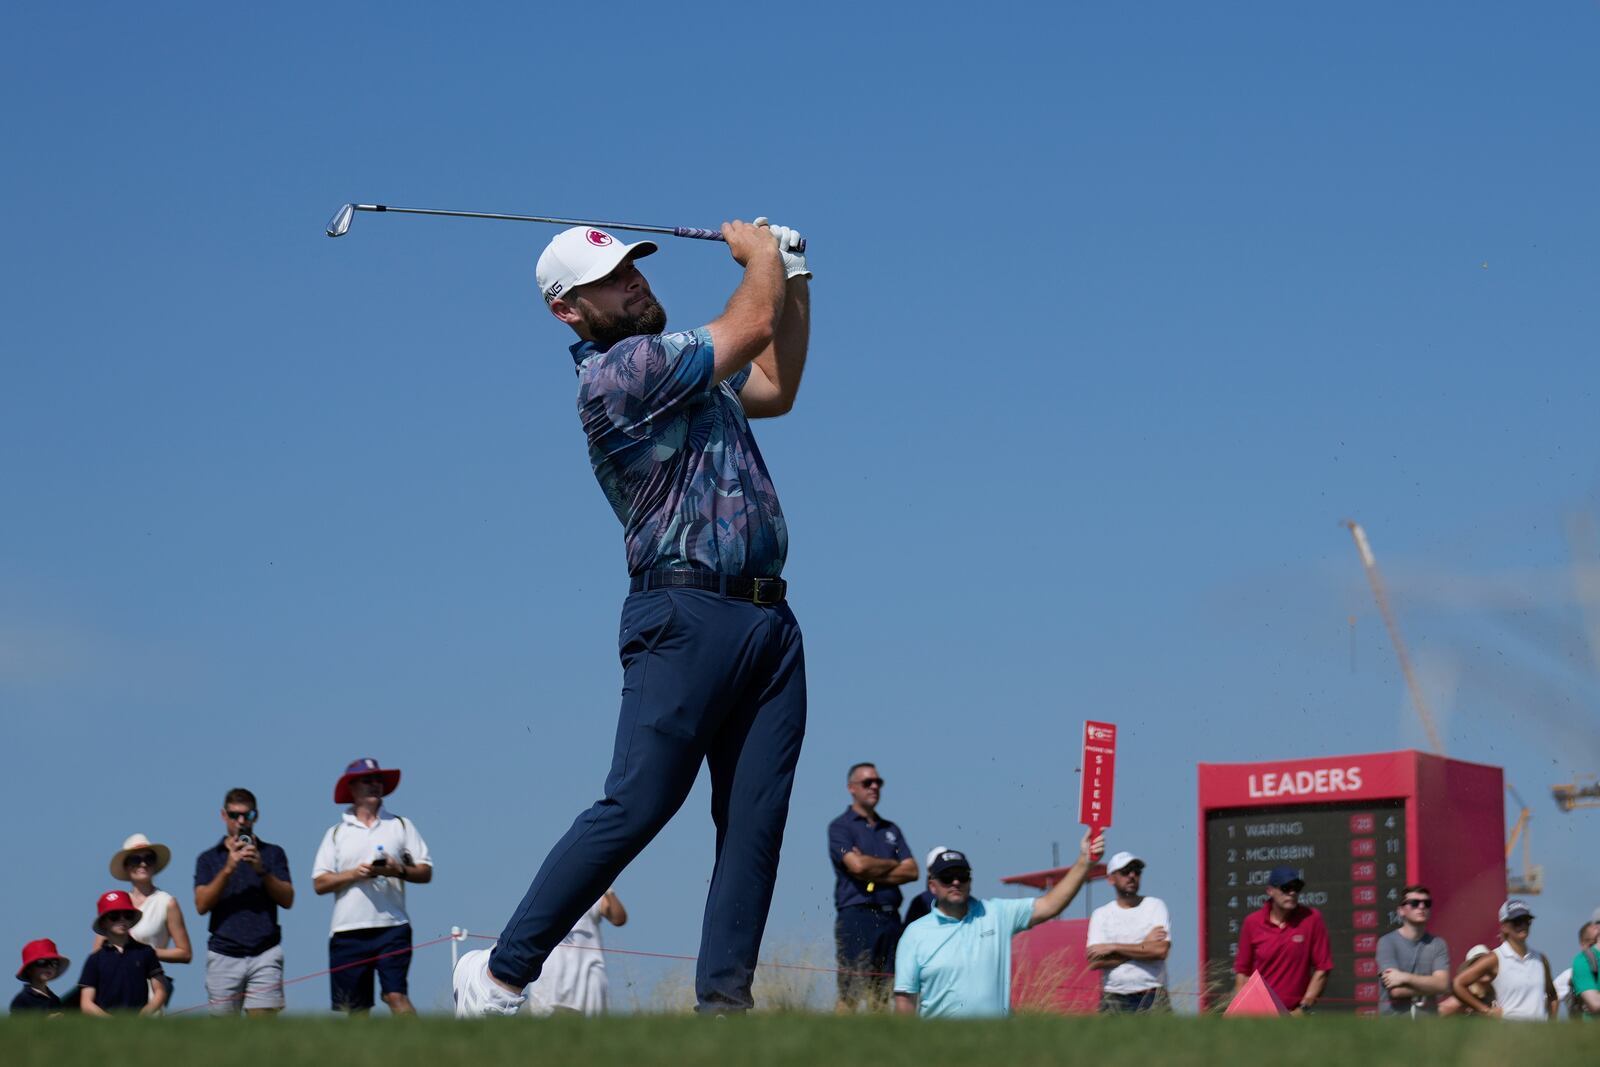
(644, 316)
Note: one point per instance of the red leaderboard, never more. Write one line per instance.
(1360, 828)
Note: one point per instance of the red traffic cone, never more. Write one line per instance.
(1256, 998)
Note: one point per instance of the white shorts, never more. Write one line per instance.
(249, 982)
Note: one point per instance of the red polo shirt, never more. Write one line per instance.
(1285, 955)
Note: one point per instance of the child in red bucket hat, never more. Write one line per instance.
(123, 975)
(41, 965)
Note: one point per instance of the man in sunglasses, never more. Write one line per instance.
(1287, 942)
(1129, 939)
(1413, 965)
(241, 882)
(871, 861)
(955, 962)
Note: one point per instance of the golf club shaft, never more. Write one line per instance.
(670, 231)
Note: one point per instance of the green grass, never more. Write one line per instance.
(812, 1040)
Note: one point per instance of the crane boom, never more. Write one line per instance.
(1381, 595)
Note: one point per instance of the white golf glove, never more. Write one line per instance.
(794, 261)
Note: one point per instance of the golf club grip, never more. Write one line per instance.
(714, 235)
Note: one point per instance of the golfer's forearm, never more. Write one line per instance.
(750, 321)
(785, 361)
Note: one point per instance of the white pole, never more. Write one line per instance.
(457, 935)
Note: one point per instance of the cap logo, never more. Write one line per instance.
(109, 896)
(598, 238)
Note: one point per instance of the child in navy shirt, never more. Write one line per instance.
(123, 975)
(41, 965)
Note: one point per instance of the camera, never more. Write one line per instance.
(246, 837)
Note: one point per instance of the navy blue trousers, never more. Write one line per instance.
(705, 678)
(866, 938)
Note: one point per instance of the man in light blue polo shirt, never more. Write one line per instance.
(955, 962)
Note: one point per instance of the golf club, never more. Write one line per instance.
(339, 225)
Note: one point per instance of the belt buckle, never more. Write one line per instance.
(755, 590)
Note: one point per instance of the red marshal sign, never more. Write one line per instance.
(1099, 774)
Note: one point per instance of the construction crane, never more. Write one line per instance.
(1585, 548)
(1531, 881)
(1381, 595)
(1577, 794)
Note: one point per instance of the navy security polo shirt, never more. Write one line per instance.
(121, 979)
(885, 841)
(245, 920)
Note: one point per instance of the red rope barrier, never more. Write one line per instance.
(1082, 981)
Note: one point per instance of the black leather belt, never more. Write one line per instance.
(755, 590)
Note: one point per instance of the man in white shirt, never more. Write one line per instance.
(366, 859)
(1128, 941)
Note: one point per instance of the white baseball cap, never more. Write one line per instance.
(1121, 860)
(581, 255)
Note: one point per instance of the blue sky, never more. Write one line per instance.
(1118, 311)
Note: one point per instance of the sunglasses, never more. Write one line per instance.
(1418, 902)
(142, 859)
(1526, 920)
(247, 816)
(952, 877)
(871, 783)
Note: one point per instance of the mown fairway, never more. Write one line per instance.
(795, 1039)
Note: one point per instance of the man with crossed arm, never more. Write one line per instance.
(871, 861)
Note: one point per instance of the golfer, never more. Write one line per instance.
(712, 664)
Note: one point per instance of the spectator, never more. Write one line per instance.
(241, 882)
(871, 861)
(1583, 978)
(121, 974)
(41, 965)
(1129, 939)
(366, 859)
(1287, 942)
(922, 903)
(955, 962)
(574, 980)
(160, 922)
(1413, 965)
(1483, 989)
(1523, 987)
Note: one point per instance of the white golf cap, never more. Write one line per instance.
(1475, 951)
(933, 855)
(581, 255)
(1121, 860)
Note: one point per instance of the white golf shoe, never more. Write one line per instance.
(476, 994)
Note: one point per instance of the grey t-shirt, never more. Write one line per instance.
(1422, 956)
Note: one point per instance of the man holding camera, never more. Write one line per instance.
(366, 859)
(241, 882)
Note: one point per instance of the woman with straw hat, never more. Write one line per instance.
(160, 923)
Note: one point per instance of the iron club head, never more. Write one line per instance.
(339, 225)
